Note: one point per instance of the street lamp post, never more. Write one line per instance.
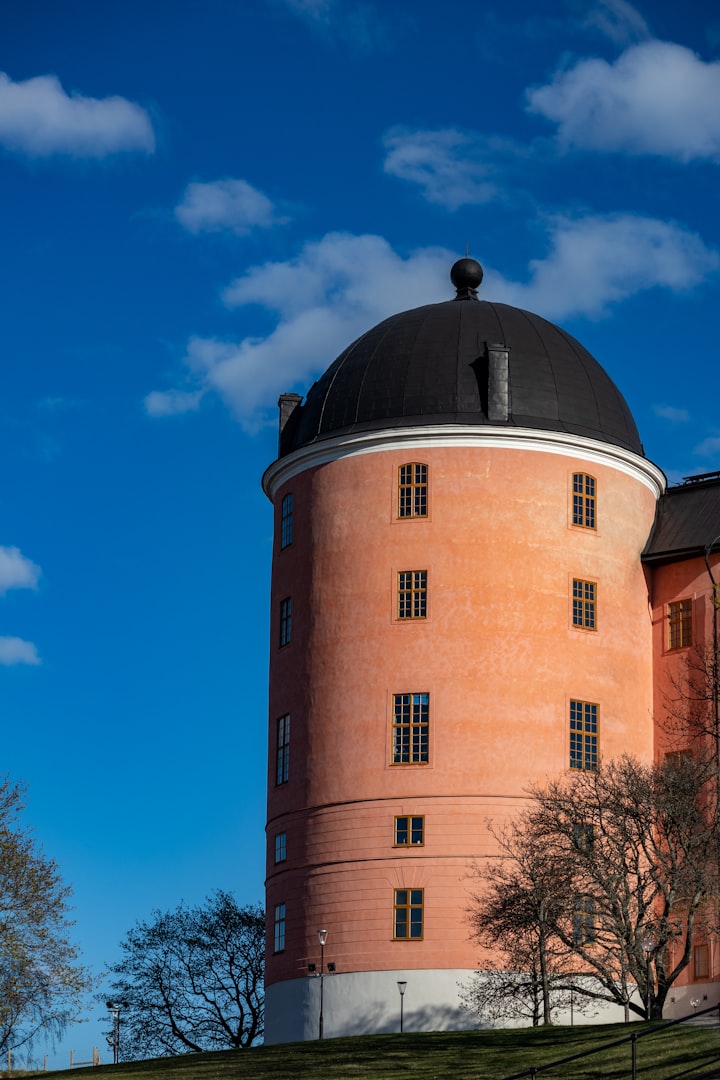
(322, 938)
(115, 1007)
(402, 986)
(647, 946)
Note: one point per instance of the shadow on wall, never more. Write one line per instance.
(352, 1007)
(376, 1020)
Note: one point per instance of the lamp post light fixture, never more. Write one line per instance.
(402, 986)
(115, 1007)
(647, 947)
(312, 970)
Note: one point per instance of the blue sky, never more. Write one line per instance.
(201, 205)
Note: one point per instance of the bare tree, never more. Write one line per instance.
(602, 885)
(514, 914)
(41, 981)
(192, 979)
(641, 878)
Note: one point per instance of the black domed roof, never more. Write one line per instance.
(434, 365)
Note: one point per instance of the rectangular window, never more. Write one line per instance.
(583, 735)
(583, 837)
(283, 750)
(411, 728)
(285, 621)
(584, 500)
(679, 616)
(412, 594)
(584, 921)
(413, 490)
(700, 962)
(279, 927)
(408, 915)
(286, 523)
(409, 831)
(280, 847)
(584, 597)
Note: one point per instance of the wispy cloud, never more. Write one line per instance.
(16, 571)
(38, 118)
(618, 21)
(172, 402)
(601, 259)
(671, 413)
(358, 24)
(709, 447)
(14, 650)
(452, 168)
(226, 205)
(341, 285)
(656, 98)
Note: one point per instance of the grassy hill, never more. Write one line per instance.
(482, 1055)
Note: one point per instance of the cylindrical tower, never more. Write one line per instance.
(458, 610)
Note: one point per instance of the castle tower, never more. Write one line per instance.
(458, 610)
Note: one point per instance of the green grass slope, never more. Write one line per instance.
(481, 1055)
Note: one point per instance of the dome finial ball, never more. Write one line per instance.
(466, 274)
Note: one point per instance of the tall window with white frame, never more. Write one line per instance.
(286, 521)
(282, 773)
(280, 847)
(412, 594)
(584, 734)
(679, 616)
(409, 912)
(279, 938)
(584, 500)
(584, 604)
(411, 729)
(285, 621)
(413, 490)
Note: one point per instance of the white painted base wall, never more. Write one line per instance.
(364, 1003)
(368, 1002)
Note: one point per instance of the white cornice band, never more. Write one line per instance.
(463, 435)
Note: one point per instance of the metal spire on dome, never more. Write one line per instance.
(466, 276)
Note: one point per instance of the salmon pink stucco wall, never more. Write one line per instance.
(497, 653)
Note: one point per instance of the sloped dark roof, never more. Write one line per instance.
(430, 366)
(686, 522)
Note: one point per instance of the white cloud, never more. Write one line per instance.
(172, 402)
(38, 118)
(656, 98)
(16, 572)
(602, 259)
(333, 291)
(618, 21)
(671, 413)
(219, 205)
(13, 650)
(358, 24)
(709, 447)
(340, 286)
(453, 168)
